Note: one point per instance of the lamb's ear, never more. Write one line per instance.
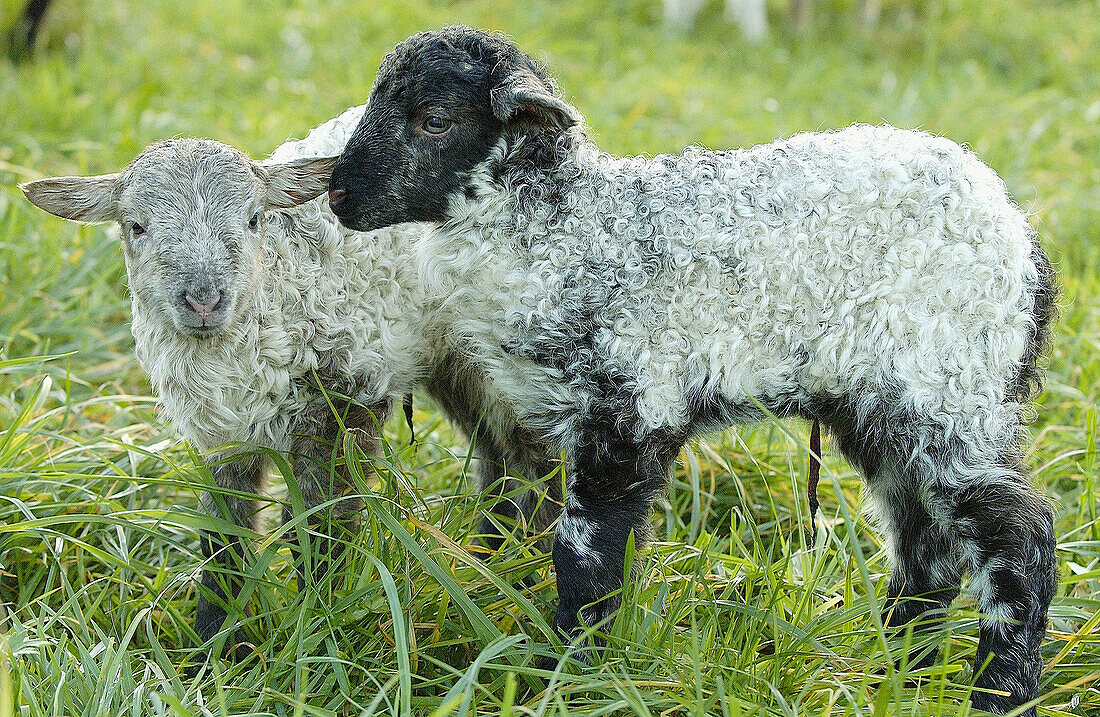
(82, 199)
(522, 96)
(298, 181)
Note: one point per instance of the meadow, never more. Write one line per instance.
(739, 612)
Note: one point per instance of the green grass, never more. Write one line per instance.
(99, 512)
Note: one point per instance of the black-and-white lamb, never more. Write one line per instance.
(878, 280)
(249, 298)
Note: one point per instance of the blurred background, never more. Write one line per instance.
(98, 513)
(1017, 81)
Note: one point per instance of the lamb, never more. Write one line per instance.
(878, 280)
(253, 309)
(752, 15)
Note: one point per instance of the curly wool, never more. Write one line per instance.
(340, 303)
(850, 263)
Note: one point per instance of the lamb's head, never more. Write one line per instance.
(441, 102)
(192, 223)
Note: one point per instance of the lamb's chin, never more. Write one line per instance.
(203, 333)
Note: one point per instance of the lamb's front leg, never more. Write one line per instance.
(239, 477)
(615, 480)
(321, 477)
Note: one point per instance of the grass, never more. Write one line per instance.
(737, 614)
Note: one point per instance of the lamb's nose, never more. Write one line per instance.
(336, 196)
(205, 304)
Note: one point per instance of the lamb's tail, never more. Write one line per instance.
(1028, 381)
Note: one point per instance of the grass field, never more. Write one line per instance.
(99, 513)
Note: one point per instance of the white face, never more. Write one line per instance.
(192, 225)
(192, 218)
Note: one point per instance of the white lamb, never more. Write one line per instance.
(752, 15)
(878, 280)
(245, 305)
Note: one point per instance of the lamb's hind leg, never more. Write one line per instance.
(1008, 534)
(947, 507)
(954, 514)
(917, 523)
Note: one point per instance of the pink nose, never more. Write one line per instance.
(203, 309)
(335, 196)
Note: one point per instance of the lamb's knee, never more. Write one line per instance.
(1010, 530)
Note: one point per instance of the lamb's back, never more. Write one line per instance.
(325, 140)
(815, 263)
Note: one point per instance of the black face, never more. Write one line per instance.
(427, 124)
(441, 101)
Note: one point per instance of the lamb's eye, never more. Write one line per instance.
(254, 221)
(136, 229)
(434, 124)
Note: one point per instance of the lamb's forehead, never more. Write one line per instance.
(184, 172)
(455, 53)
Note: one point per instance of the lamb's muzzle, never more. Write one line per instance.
(875, 279)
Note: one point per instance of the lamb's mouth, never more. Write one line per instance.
(361, 222)
(204, 332)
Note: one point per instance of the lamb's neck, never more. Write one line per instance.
(546, 159)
